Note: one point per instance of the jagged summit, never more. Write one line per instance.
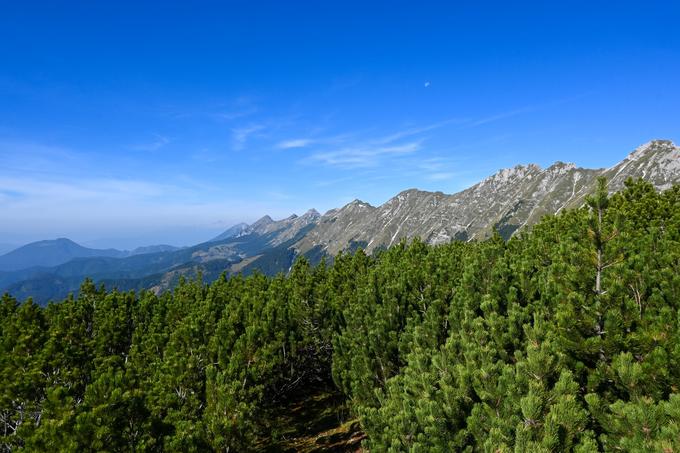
(657, 161)
(506, 175)
(509, 200)
(265, 220)
(354, 205)
(562, 165)
(653, 150)
(651, 146)
(357, 202)
(312, 213)
(235, 231)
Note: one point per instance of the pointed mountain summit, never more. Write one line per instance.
(234, 231)
(311, 214)
(261, 224)
(657, 161)
(263, 221)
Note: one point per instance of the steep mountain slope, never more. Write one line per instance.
(50, 253)
(657, 162)
(283, 230)
(508, 200)
(235, 231)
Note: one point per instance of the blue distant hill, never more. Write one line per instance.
(51, 253)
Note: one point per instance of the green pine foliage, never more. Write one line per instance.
(564, 338)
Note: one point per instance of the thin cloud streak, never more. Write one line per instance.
(502, 116)
(415, 131)
(349, 158)
(27, 157)
(526, 109)
(159, 142)
(241, 135)
(44, 207)
(89, 189)
(236, 114)
(295, 143)
(369, 152)
(442, 176)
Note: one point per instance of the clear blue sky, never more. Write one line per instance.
(124, 123)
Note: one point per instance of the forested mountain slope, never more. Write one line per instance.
(564, 338)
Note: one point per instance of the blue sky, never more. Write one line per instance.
(126, 123)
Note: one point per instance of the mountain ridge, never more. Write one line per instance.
(49, 253)
(507, 201)
(55, 252)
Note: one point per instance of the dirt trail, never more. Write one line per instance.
(315, 422)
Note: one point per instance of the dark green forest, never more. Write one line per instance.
(564, 338)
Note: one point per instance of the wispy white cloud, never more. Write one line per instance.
(241, 107)
(231, 115)
(223, 112)
(501, 116)
(351, 151)
(22, 157)
(317, 140)
(154, 145)
(207, 156)
(357, 157)
(295, 143)
(440, 176)
(331, 182)
(436, 168)
(522, 110)
(39, 207)
(241, 135)
(431, 164)
(29, 188)
(278, 195)
(343, 83)
(412, 131)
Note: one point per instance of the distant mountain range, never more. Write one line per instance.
(508, 201)
(49, 253)
(58, 251)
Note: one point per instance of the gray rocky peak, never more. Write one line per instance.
(312, 214)
(509, 200)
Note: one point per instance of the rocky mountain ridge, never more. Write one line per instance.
(509, 200)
